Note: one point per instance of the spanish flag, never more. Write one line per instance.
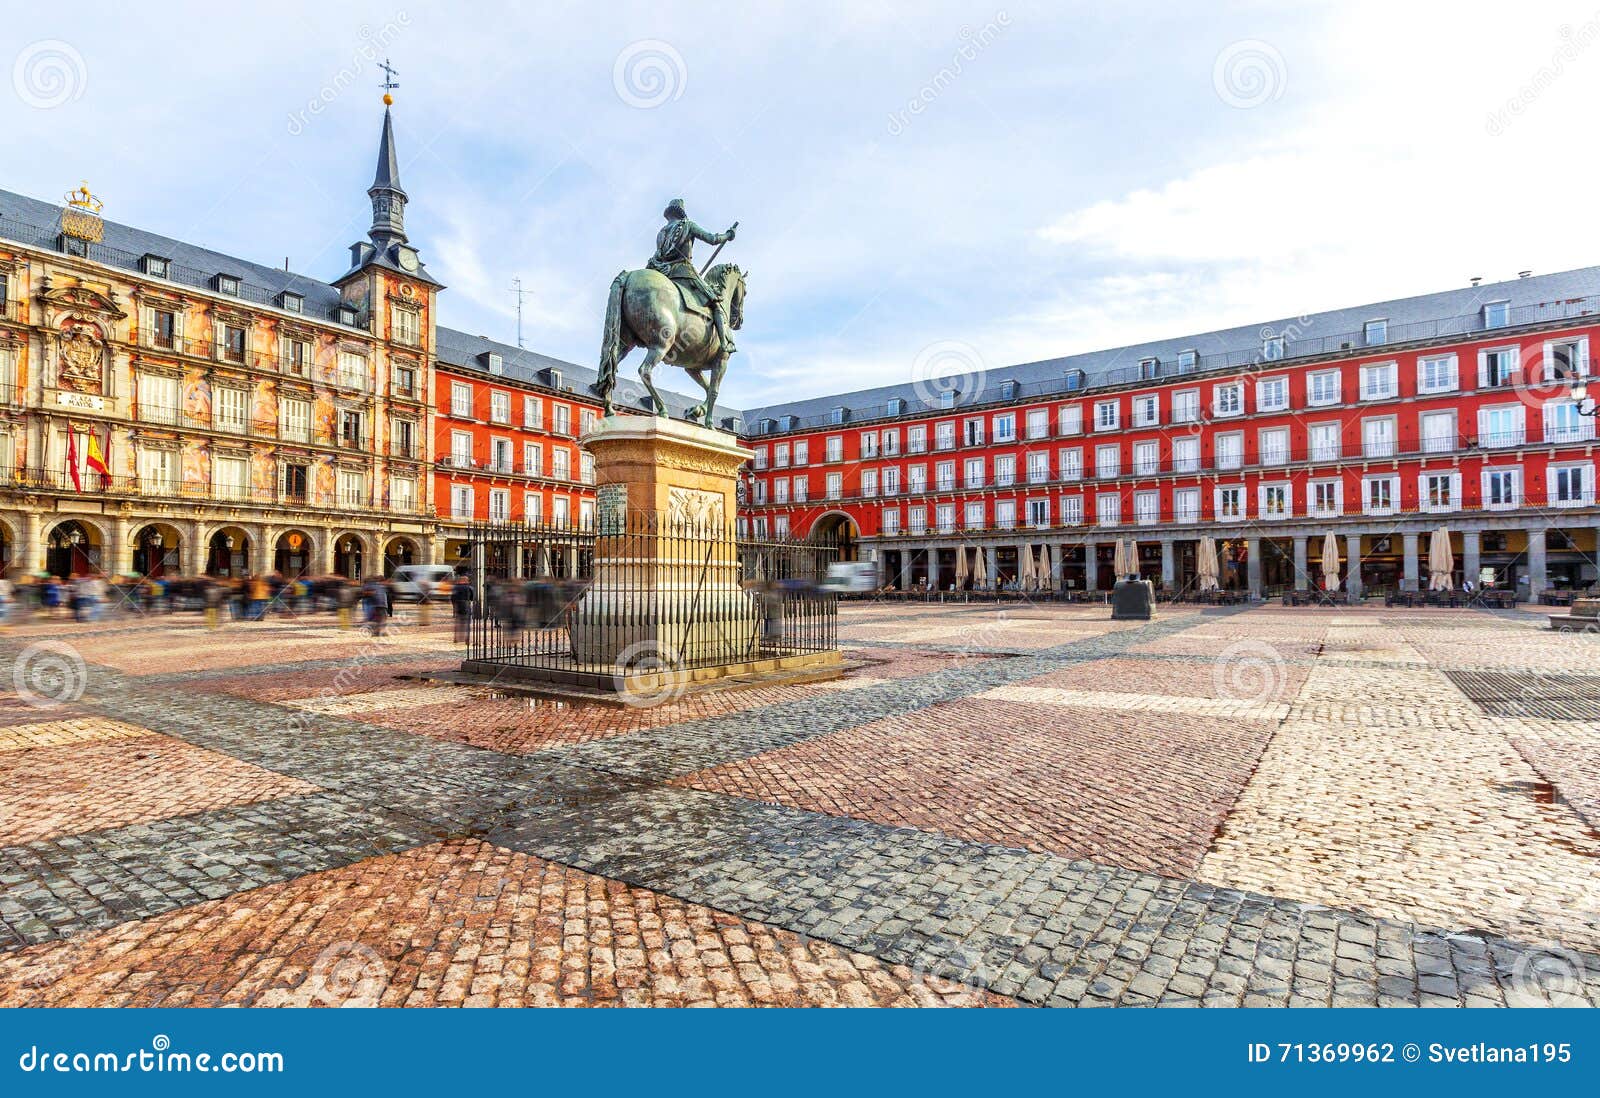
(96, 458)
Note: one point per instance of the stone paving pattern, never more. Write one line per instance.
(1017, 804)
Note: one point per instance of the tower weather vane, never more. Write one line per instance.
(389, 83)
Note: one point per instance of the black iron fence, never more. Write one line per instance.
(645, 595)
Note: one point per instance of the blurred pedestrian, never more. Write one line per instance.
(462, 598)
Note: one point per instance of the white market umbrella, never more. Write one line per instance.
(1441, 561)
(980, 575)
(1330, 562)
(1025, 579)
(1119, 559)
(961, 566)
(1206, 564)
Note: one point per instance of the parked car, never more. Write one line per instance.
(414, 582)
(851, 577)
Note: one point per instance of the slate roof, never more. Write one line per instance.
(1454, 312)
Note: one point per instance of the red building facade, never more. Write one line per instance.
(1379, 435)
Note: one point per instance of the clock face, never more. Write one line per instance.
(408, 259)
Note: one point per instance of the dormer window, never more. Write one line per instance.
(554, 376)
(1272, 348)
(155, 266)
(768, 426)
(493, 362)
(226, 284)
(347, 314)
(837, 415)
(789, 422)
(732, 423)
(897, 406)
(1008, 390)
(1075, 379)
(1375, 332)
(1149, 368)
(292, 302)
(1497, 314)
(1188, 361)
(947, 398)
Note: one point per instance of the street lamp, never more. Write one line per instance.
(1587, 405)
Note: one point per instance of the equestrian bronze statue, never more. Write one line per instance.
(681, 316)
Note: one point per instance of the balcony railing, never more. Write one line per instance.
(95, 484)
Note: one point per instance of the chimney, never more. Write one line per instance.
(1476, 279)
(1523, 274)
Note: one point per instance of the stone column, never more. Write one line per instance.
(1537, 577)
(991, 563)
(1302, 578)
(1052, 562)
(1470, 564)
(1169, 565)
(119, 554)
(32, 541)
(1408, 579)
(1252, 565)
(1352, 566)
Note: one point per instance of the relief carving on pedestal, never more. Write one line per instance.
(693, 507)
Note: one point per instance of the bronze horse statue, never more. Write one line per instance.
(646, 309)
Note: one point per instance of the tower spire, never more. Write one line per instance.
(388, 197)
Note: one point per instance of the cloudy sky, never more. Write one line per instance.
(1027, 180)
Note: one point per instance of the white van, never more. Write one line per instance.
(411, 581)
(851, 576)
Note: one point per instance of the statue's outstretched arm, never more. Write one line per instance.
(704, 237)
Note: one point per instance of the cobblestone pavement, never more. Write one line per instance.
(997, 805)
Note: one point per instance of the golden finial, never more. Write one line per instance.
(83, 199)
(388, 84)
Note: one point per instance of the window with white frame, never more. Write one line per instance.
(1005, 470)
(461, 449)
(1038, 513)
(1005, 427)
(1186, 505)
(230, 477)
(532, 507)
(1146, 508)
(405, 326)
(1230, 502)
(972, 432)
(1326, 441)
(780, 490)
(891, 520)
(944, 475)
(1107, 415)
(869, 483)
(533, 459)
(761, 491)
(780, 526)
(232, 410)
(1379, 381)
(1439, 491)
(1273, 501)
(1186, 454)
(1038, 423)
(1563, 422)
(916, 439)
(158, 398)
(916, 479)
(1566, 358)
(294, 420)
(561, 510)
(1038, 467)
(1571, 485)
(561, 419)
(1069, 463)
(802, 452)
(1228, 399)
(1273, 348)
(1378, 437)
(973, 471)
(973, 514)
(1069, 419)
(158, 470)
(833, 448)
(1186, 406)
(1325, 498)
(533, 413)
(1502, 489)
(402, 494)
(1188, 361)
(944, 435)
(352, 370)
(917, 520)
(1497, 314)
(780, 456)
(1108, 509)
(891, 481)
(1375, 332)
(1501, 426)
(1380, 495)
(1272, 394)
(760, 458)
(500, 455)
(1005, 514)
(353, 488)
(1108, 460)
(1322, 388)
(1147, 458)
(1437, 431)
(891, 442)
(461, 399)
(834, 485)
(1498, 367)
(499, 407)
(1146, 410)
(460, 501)
(1272, 446)
(1228, 450)
(1071, 510)
(801, 488)
(1437, 374)
(499, 505)
(869, 445)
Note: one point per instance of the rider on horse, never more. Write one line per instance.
(675, 258)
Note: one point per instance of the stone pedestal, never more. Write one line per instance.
(666, 591)
(1131, 600)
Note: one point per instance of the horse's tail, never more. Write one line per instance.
(611, 341)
